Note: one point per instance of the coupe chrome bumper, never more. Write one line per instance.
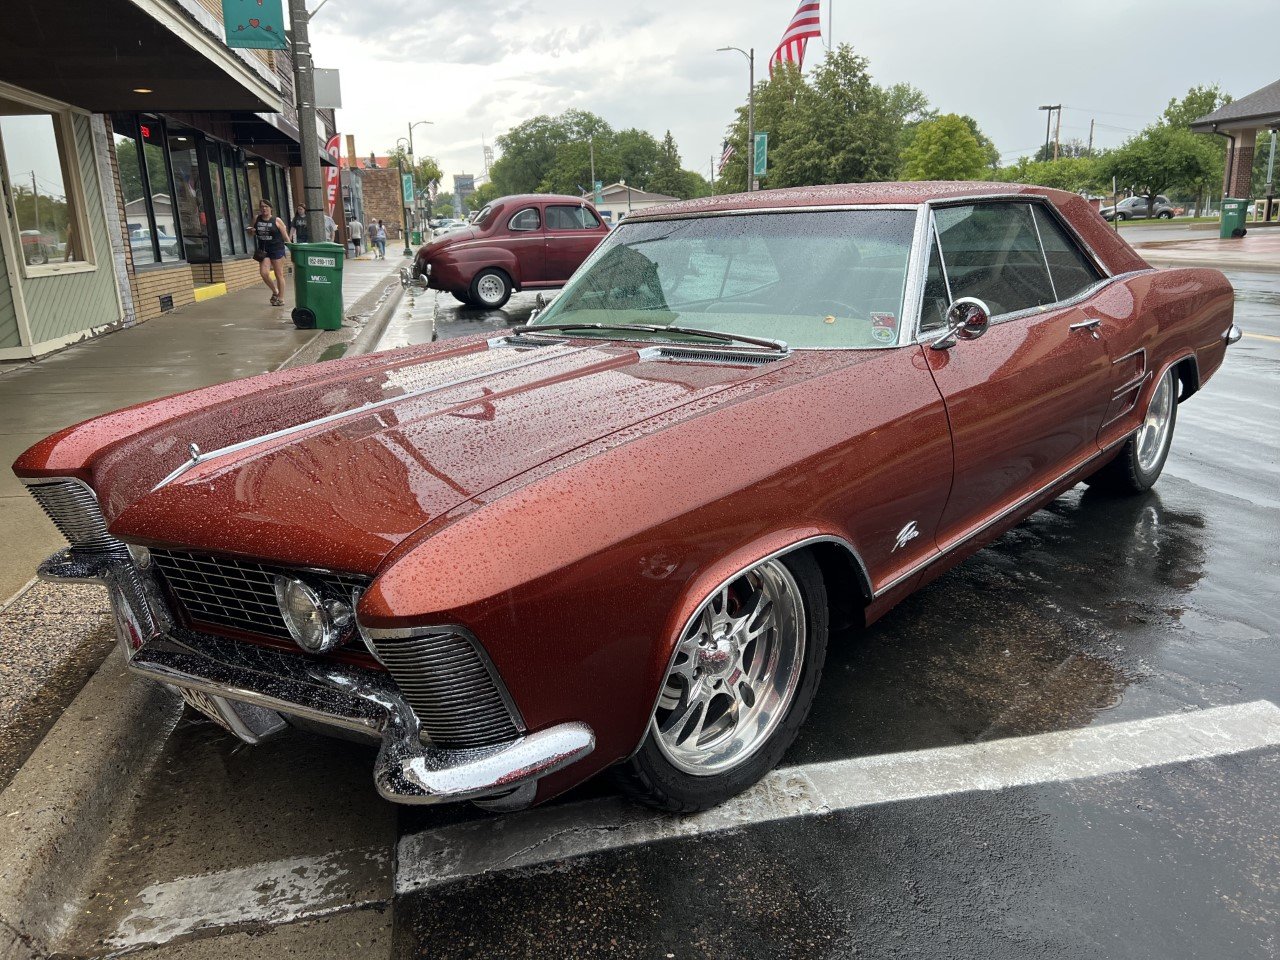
(246, 687)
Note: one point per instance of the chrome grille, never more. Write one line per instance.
(449, 684)
(226, 592)
(73, 508)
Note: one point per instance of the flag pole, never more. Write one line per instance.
(831, 13)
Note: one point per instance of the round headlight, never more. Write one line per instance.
(305, 615)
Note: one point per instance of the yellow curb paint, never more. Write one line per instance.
(1261, 336)
(210, 290)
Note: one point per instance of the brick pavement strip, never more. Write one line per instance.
(55, 636)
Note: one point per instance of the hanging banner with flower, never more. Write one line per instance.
(254, 24)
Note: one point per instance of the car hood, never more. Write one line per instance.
(337, 472)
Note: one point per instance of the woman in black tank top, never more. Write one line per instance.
(269, 233)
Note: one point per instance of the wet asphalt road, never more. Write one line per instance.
(1094, 612)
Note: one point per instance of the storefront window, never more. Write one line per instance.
(192, 223)
(219, 199)
(38, 169)
(256, 170)
(238, 220)
(163, 222)
(133, 189)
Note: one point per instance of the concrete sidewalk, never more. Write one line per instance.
(55, 636)
(1257, 250)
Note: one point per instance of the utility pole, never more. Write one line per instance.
(304, 83)
(1057, 130)
(592, 145)
(1048, 126)
(751, 111)
(404, 207)
(35, 192)
(1090, 151)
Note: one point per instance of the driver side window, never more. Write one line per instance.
(991, 251)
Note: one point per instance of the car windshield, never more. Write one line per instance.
(833, 278)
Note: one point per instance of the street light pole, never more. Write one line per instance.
(1048, 125)
(413, 163)
(751, 111)
(304, 82)
(404, 207)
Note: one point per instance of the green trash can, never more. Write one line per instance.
(1233, 213)
(317, 285)
(417, 238)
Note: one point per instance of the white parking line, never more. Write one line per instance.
(438, 856)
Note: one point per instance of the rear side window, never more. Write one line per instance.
(526, 219)
(1071, 270)
(991, 251)
(571, 218)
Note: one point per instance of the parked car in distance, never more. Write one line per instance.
(528, 242)
(620, 536)
(447, 225)
(1136, 208)
(140, 241)
(38, 248)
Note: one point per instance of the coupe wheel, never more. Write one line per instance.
(739, 686)
(491, 288)
(1140, 461)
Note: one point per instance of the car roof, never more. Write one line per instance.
(844, 194)
(540, 198)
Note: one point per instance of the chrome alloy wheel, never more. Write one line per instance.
(491, 288)
(1153, 435)
(734, 673)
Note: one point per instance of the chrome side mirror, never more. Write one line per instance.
(539, 304)
(967, 319)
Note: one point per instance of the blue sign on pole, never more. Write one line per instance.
(254, 24)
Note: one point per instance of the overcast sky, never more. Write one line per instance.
(478, 68)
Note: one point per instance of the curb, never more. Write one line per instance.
(59, 807)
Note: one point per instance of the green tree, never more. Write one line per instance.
(485, 194)
(1160, 158)
(1199, 101)
(1076, 174)
(668, 177)
(836, 127)
(424, 169)
(944, 148)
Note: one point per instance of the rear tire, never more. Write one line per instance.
(1140, 461)
(490, 289)
(464, 298)
(739, 687)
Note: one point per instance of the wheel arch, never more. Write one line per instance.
(1187, 370)
(844, 574)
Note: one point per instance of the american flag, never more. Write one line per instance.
(725, 155)
(805, 24)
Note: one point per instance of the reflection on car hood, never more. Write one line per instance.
(339, 471)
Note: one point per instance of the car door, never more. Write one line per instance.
(572, 233)
(1025, 401)
(526, 240)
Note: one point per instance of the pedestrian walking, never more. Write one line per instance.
(269, 233)
(330, 228)
(371, 234)
(380, 238)
(355, 230)
(298, 227)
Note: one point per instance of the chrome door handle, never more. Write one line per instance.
(1092, 324)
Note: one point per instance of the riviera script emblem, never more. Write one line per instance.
(905, 536)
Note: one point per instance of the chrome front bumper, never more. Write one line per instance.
(247, 687)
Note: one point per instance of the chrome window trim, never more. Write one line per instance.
(747, 211)
(536, 210)
(1044, 254)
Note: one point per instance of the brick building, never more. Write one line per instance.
(1240, 122)
(384, 199)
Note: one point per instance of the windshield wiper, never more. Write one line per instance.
(778, 345)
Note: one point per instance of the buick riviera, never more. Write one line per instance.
(618, 536)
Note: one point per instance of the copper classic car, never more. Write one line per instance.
(530, 242)
(617, 537)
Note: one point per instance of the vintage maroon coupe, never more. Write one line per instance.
(530, 242)
(618, 536)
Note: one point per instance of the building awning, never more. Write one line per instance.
(96, 55)
(1257, 110)
(272, 131)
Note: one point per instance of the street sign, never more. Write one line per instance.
(761, 153)
(254, 24)
(407, 184)
(599, 191)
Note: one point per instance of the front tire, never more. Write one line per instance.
(491, 289)
(739, 686)
(1165, 215)
(1141, 460)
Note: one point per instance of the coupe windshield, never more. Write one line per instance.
(831, 278)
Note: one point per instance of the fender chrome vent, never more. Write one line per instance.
(73, 507)
(451, 686)
(717, 356)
